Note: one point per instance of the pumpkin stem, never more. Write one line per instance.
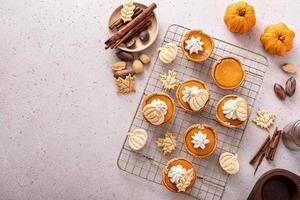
(242, 12)
(281, 38)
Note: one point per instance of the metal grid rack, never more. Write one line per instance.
(149, 162)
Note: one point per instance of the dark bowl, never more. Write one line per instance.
(279, 188)
(276, 184)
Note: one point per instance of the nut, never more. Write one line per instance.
(289, 68)
(130, 44)
(124, 73)
(138, 66)
(118, 65)
(279, 91)
(145, 58)
(144, 36)
(290, 86)
(125, 56)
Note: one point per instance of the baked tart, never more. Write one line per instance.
(179, 175)
(193, 95)
(228, 72)
(158, 108)
(197, 45)
(232, 111)
(200, 140)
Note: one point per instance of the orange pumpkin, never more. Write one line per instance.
(277, 39)
(240, 17)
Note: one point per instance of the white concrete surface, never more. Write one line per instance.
(62, 124)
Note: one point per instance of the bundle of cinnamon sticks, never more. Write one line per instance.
(141, 20)
(267, 149)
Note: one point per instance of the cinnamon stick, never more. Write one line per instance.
(119, 22)
(119, 26)
(261, 150)
(132, 32)
(133, 23)
(277, 139)
(145, 27)
(270, 149)
(274, 144)
(260, 161)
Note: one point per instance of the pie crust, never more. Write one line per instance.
(231, 123)
(211, 136)
(208, 46)
(228, 72)
(177, 161)
(163, 97)
(191, 82)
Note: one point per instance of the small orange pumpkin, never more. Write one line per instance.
(240, 17)
(277, 39)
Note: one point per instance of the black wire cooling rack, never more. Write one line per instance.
(149, 162)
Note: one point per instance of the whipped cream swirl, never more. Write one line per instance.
(200, 140)
(160, 104)
(235, 109)
(175, 173)
(229, 109)
(194, 45)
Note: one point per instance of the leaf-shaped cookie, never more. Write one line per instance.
(169, 81)
(185, 180)
(168, 143)
(264, 119)
(125, 85)
(127, 11)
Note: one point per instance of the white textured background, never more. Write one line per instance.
(62, 124)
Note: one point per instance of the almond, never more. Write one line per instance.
(290, 86)
(289, 68)
(279, 91)
(125, 56)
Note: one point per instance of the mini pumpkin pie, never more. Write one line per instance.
(193, 95)
(232, 111)
(200, 140)
(158, 108)
(197, 45)
(228, 73)
(179, 175)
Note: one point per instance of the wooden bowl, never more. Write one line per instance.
(139, 46)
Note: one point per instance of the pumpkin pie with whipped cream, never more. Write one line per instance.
(158, 108)
(193, 95)
(179, 175)
(197, 45)
(232, 111)
(228, 72)
(200, 140)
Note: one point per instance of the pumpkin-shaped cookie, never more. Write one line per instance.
(240, 17)
(153, 114)
(229, 162)
(199, 100)
(168, 53)
(137, 139)
(242, 109)
(277, 39)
